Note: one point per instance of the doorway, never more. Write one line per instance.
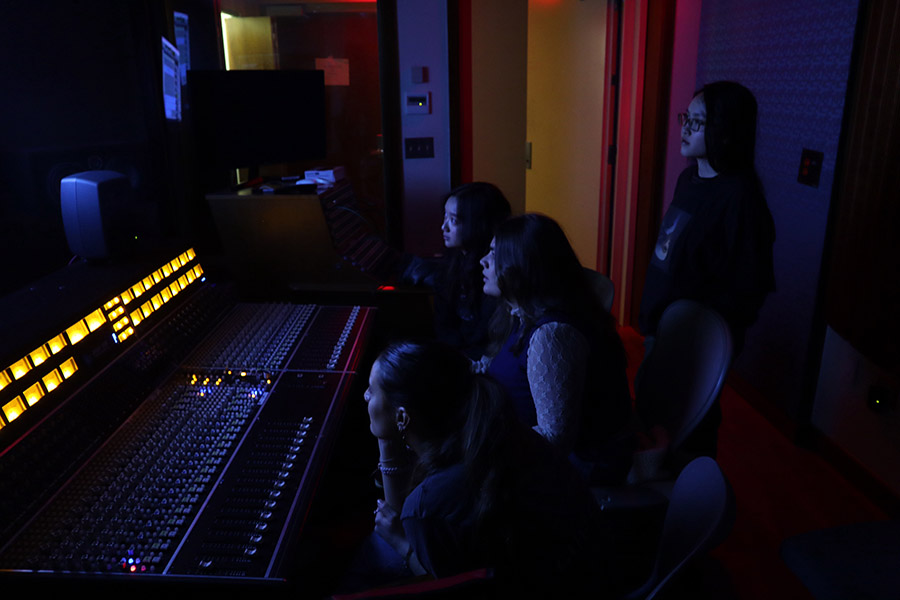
(341, 39)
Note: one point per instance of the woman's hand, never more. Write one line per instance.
(390, 528)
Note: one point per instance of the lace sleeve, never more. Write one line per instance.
(557, 356)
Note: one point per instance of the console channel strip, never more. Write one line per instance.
(211, 474)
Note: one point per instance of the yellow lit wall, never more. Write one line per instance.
(248, 43)
(566, 60)
(499, 66)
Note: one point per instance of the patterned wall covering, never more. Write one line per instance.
(795, 56)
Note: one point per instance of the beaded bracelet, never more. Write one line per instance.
(387, 470)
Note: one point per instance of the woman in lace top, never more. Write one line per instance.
(555, 349)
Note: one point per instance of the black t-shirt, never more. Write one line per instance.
(714, 246)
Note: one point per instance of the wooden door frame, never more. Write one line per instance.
(632, 187)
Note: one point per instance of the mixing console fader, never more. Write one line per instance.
(211, 471)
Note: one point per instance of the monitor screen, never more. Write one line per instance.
(244, 119)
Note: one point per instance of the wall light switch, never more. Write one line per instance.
(419, 147)
(418, 74)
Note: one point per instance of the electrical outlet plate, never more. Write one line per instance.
(810, 167)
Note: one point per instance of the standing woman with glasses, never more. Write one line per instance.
(715, 241)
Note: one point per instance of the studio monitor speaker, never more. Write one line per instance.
(94, 205)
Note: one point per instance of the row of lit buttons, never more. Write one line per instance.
(123, 325)
(113, 311)
(342, 340)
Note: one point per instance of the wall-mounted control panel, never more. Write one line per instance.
(418, 104)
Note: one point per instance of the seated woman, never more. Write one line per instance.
(483, 490)
(461, 310)
(556, 350)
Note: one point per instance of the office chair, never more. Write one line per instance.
(699, 517)
(678, 381)
(682, 375)
(602, 286)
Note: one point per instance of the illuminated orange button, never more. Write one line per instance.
(95, 320)
(19, 368)
(120, 324)
(68, 368)
(57, 344)
(77, 332)
(40, 355)
(33, 394)
(52, 380)
(14, 408)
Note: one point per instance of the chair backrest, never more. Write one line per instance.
(683, 372)
(699, 518)
(602, 286)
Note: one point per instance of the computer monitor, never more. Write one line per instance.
(246, 119)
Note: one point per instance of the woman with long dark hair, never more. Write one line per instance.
(461, 310)
(716, 238)
(467, 486)
(556, 349)
(715, 242)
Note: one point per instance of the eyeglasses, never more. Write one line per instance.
(693, 125)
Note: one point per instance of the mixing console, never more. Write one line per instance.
(192, 454)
